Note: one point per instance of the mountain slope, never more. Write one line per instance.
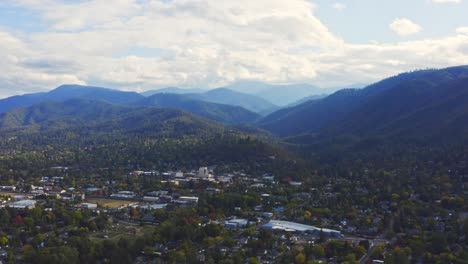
(379, 109)
(226, 114)
(16, 101)
(312, 115)
(70, 112)
(414, 109)
(95, 134)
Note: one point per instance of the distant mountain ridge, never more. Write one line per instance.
(227, 114)
(65, 92)
(281, 95)
(172, 90)
(222, 96)
(230, 97)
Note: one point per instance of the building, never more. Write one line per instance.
(150, 199)
(295, 184)
(8, 188)
(301, 228)
(124, 194)
(189, 199)
(212, 190)
(154, 206)
(157, 193)
(89, 206)
(236, 223)
(204, 173)
(266, 215)
(23, 204)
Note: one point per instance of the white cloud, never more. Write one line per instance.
(446, 1)
(339, 6)
(404, 27)
(462, 30)
(206, 44)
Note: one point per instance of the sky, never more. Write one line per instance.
(140, 45)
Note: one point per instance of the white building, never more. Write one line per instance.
(204, 173)
(90, 206)
(236, 223)
(301, 228)
(190, 199)
(23, 204)
(150, 199)
(123, 194)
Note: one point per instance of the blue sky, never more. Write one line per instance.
(362, 21)
(146, 44)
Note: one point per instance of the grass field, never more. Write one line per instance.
(11, 194)
(110, 203)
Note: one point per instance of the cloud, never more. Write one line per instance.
(446, 1)
(147, 44)
(462, 30)
(404, 27)
(339, 6)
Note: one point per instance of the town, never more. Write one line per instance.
(269, 216)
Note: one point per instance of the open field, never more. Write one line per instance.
(120, 230)
(109, 203)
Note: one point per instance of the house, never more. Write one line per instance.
(212, 190)
(295, 184)
(9, 188)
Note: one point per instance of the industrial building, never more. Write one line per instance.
(23, 204)
(301, 228)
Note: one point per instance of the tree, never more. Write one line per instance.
(4, 241)
(318, 251)
(253, 260)
(360, 251)
(438, 243)
(300, 258)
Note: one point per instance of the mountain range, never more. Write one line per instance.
(224, 113)
(423, 103)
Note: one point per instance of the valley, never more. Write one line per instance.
(97, 175)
